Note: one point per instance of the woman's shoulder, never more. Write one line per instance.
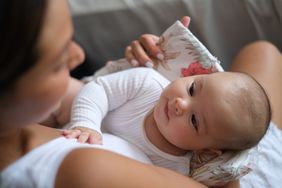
(87, 167)
(42, 152)
(29, 138)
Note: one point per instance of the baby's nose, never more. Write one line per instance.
(181, 106)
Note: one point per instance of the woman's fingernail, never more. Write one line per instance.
(160, 56)
(134, 63)
(149, 64)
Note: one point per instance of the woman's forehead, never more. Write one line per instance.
(57, 28)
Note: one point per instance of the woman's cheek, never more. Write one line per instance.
(48, 98)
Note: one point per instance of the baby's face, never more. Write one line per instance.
(195, 110)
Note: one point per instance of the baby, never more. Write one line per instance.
(218, 111)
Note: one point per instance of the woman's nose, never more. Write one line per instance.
(181, 106)
(77, 55)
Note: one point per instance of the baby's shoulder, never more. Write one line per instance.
(147, 73)
(149, 76)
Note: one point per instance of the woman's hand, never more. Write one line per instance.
(84, 135)
(145, 51)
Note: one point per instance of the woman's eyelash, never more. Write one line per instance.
(191, 89)
(194, 122)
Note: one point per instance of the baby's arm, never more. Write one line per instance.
(101, 96)
(89, 108)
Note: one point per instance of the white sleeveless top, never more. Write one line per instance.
(39, 167)
(268, 170)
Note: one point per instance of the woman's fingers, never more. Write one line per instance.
(144, 51)
(141, 55)
(186, 21)
(149, 42)
(130, 57)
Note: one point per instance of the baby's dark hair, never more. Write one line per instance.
(256, 109)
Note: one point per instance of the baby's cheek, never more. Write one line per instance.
(179, 130)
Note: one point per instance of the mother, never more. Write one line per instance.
(36, 54)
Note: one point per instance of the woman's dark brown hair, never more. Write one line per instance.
(20, 23)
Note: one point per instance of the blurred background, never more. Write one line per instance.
(105, 27)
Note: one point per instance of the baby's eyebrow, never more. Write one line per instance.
(201, 83)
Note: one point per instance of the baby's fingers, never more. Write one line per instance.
(83, 137)
(71, 133)
(95, 139)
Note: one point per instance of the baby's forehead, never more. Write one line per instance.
(228, 75)
(228, 92)
(233, 81)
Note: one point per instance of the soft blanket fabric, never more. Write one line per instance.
(267, 172)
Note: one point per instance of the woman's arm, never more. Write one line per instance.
(104, 169)
(263, 61)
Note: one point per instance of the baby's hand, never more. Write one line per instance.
(84, 135)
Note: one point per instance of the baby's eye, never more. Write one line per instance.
(194, 122)
(191, 89)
